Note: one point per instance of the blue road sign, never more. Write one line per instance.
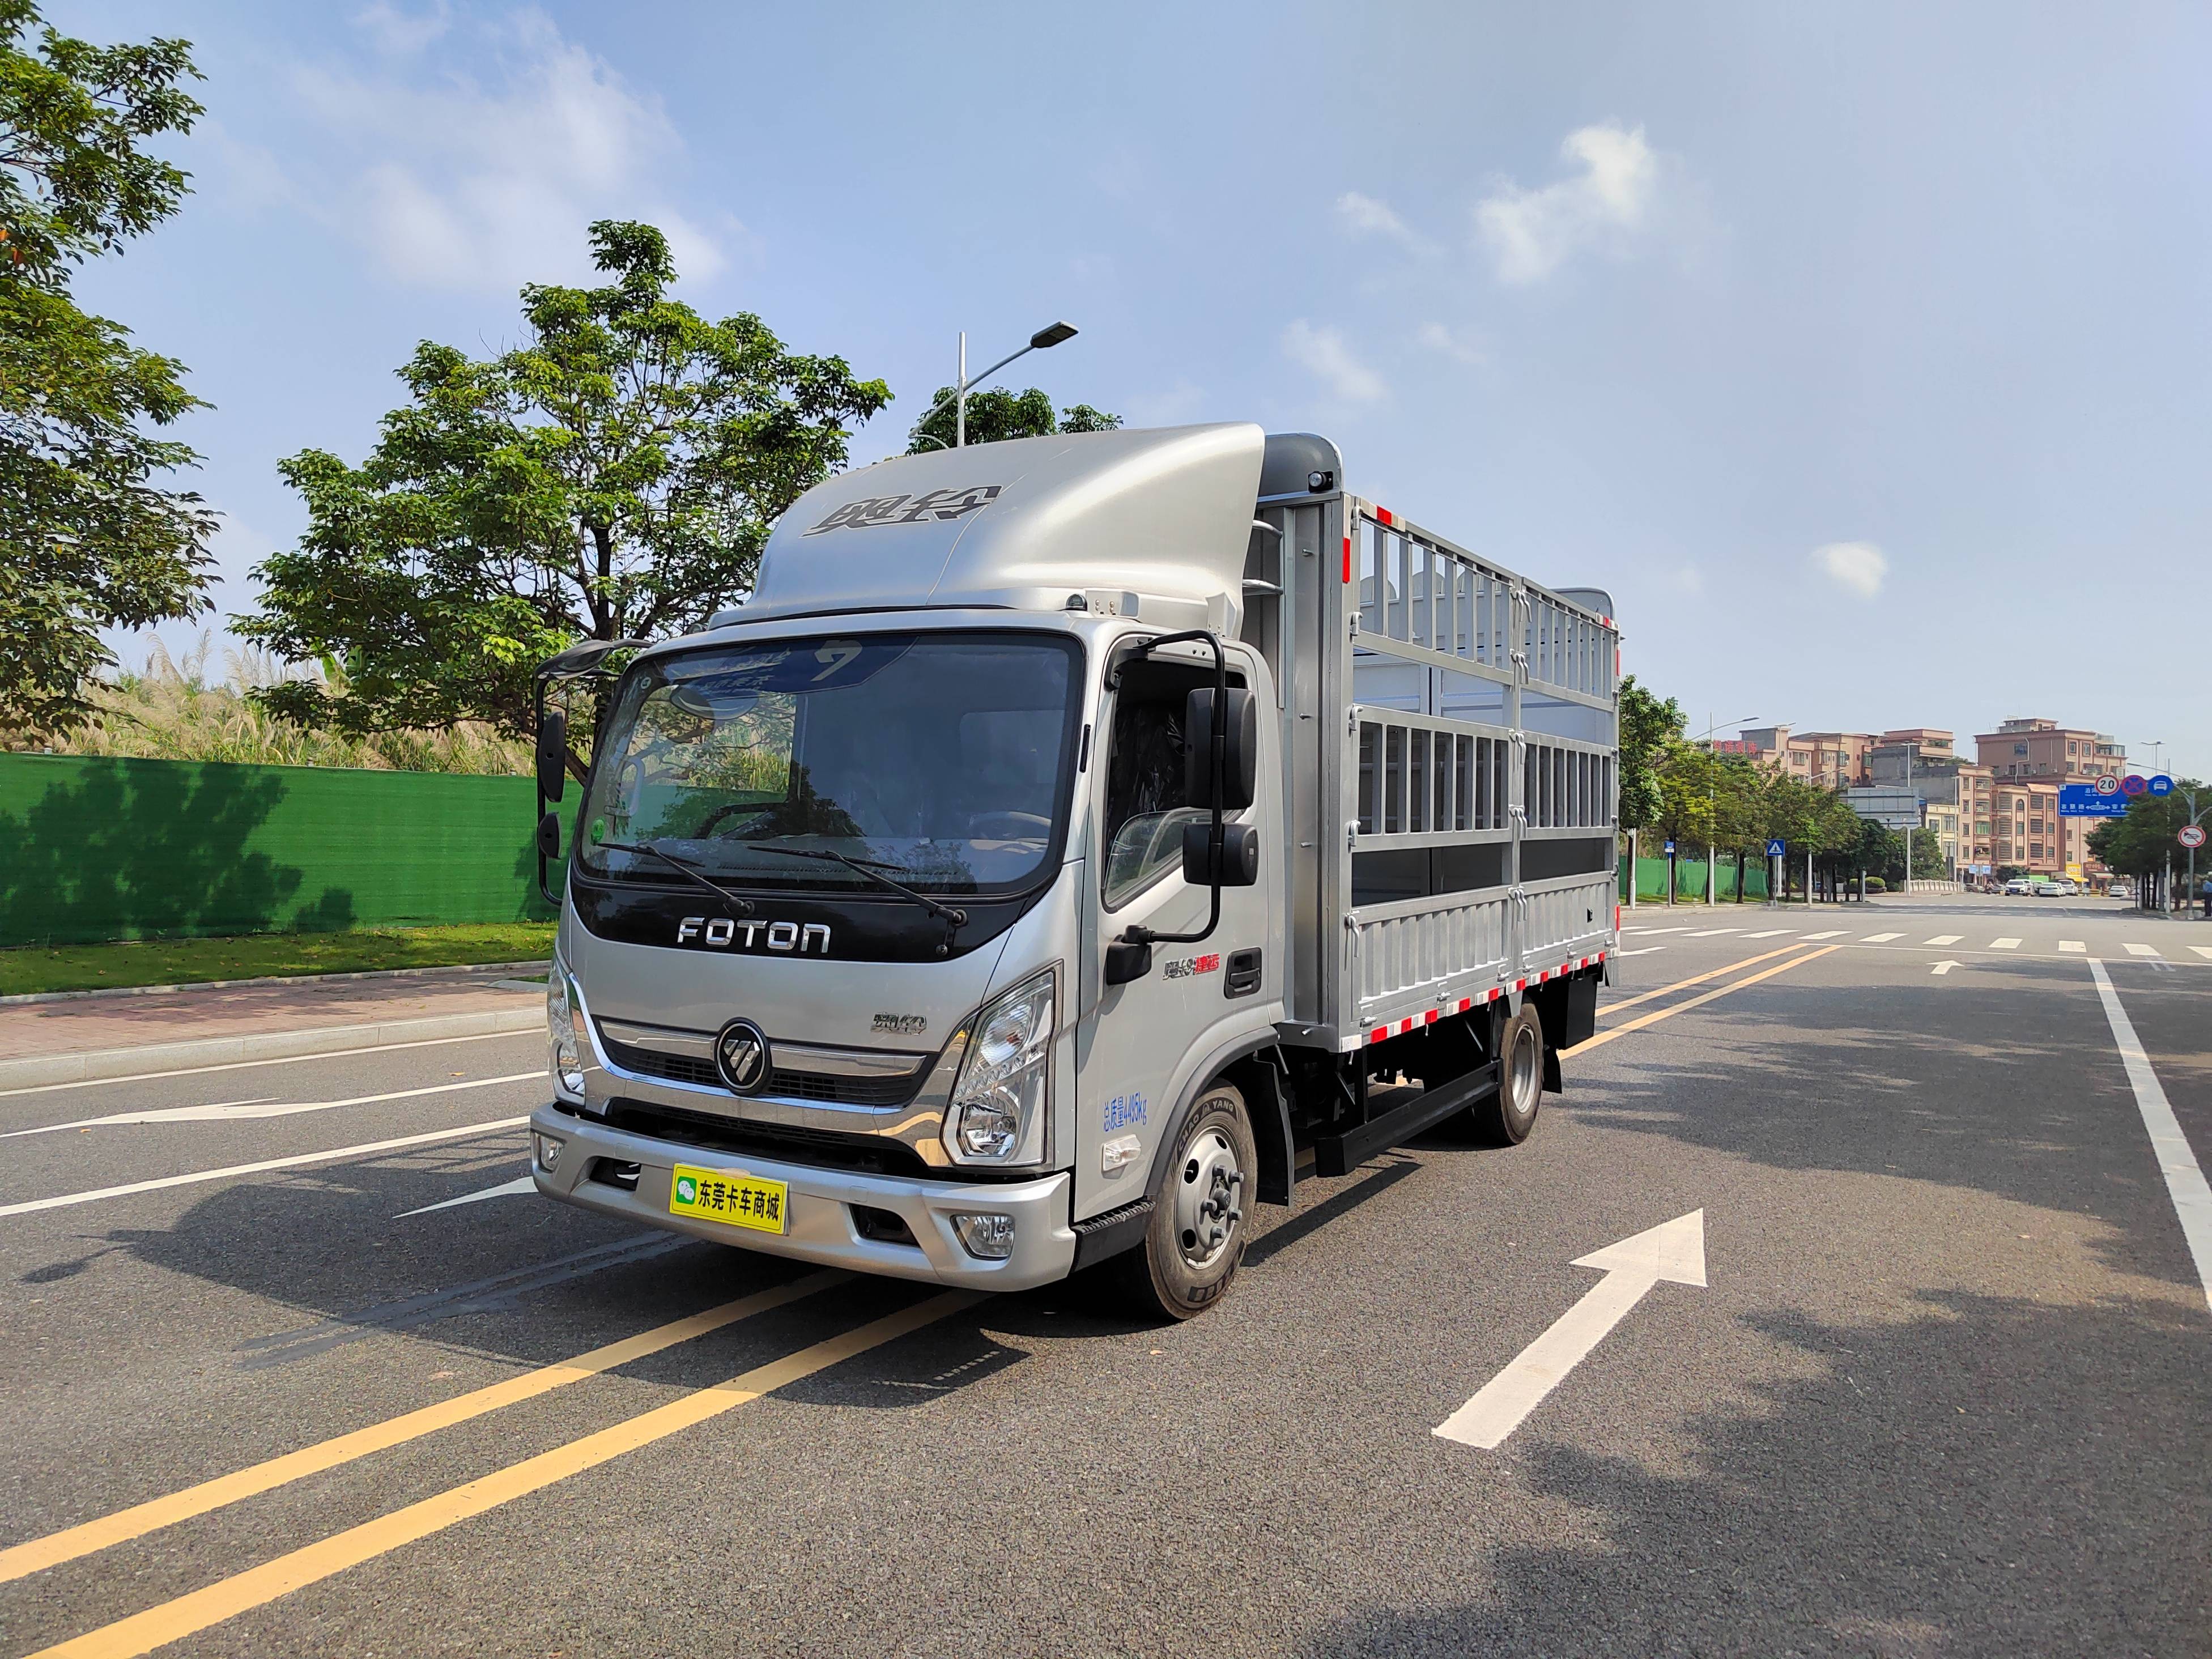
(2161, 785)
(2081, 800)
(1669, 850)
(1776, 849)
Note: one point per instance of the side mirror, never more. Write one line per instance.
(1126, 960)
(549, 835)
(1238, 865)
(553, 755)
(1240, 770)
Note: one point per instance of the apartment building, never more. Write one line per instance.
(1834, 760)
(2028, 761)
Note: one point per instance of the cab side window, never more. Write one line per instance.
(1146, 803)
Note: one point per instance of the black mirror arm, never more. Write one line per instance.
(1137, 935)
(538, 724)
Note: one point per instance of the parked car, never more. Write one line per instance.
(2121, 889)
(2017, 887)
(2051, 889)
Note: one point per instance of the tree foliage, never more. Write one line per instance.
(2144, 840)
(1650, 729)
(88, 538)
(612, 477)
(995, 416)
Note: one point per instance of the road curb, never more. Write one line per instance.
(455, 970)
(95, 1065)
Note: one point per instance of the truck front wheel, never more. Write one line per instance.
(1506, 1118)
(1195, 1239)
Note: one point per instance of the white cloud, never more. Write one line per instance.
(454, 180)
(399, 33)
(1363, 215)
(1855, 567)
(1531, 233)
(1323, 351)
(1689, 579)
(1460, 345)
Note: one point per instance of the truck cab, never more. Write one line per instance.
(984, 900)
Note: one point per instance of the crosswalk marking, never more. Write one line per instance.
(1641, 950)
(1655, 930)
(2074, 945)
(1709, 932)
(2142, 950)
(1879, 938)
(2204, 951)
(2004, 944)
(1835, 933)
(1771, 933)
(1946, 938)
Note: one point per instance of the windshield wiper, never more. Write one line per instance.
(952, 914)
(743, 906)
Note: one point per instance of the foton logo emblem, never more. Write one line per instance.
(723, 934)
(927, 507)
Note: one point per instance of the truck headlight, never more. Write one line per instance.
(1004, 1097)
(560, 1003)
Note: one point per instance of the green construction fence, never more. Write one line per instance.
(1690, 876)
(94, 848)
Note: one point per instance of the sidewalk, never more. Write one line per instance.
(78, 1040)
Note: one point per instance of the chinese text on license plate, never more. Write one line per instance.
(739, 1200)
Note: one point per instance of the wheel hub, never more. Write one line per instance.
(1209, 1198)
(1522, 1070)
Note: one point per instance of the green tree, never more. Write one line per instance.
(612, 477)
(2143, 840)
(995, 416)
(89, 537)
(1649, 729)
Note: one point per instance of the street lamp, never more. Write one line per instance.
(2155, 748)
(1043, 340)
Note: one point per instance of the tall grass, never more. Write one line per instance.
(171, 710)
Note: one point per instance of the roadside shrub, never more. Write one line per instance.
(1877, 885)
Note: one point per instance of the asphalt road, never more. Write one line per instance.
(1946, 1391)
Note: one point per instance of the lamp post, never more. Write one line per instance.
(1043, 340)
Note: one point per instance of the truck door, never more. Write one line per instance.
(1147, 1034)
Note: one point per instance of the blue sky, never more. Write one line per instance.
(1862, 353)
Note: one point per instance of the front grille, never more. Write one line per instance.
(863, 1154)
(826, 1087)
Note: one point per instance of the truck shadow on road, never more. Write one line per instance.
(1992, 1475)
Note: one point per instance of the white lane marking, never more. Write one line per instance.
(1834, 934)
(1709, 932)
(1879, 938)
(1946, 939)
(1645, 950)
(513, 1188)
(1771, 933)
(2072, 945)
(1941, 967)
(237, 1110)
(293, 1163)
(1683, 929)
(533, 1035)
(2204, 951)
(2004, 944)
(1673, 1250)
(2184, 1178)
(2142, 950)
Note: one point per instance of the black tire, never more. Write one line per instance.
(1506, 1118)
(1175, 1273)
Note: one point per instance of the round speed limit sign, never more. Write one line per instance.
(2191, 835)
(2108, 785)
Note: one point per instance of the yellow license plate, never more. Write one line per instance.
(734, 1199)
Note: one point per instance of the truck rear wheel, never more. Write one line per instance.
(1506, 1118)
(1195, 1239)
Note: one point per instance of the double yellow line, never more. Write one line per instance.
(1796, 960)
(256, 1587)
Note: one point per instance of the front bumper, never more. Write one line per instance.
(822, 1226)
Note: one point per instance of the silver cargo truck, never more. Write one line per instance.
(1069, 843)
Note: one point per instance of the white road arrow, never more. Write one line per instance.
(1674, 1251)
(1945, 966)
(513, 1188)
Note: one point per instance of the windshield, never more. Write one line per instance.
(935, 759)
